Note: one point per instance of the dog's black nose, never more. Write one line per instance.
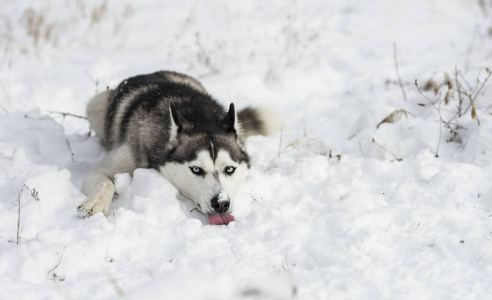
(220, 206)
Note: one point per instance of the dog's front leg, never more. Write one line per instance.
(98, 184)
(100, 191)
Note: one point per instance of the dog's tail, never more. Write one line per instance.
(96, 112)
(259, 121)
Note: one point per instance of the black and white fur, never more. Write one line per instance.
(167, 121)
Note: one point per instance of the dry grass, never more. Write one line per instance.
(466, 102)
(125, 15)
(467, 93)
(38, 27)
(305, 141)
(45, 28)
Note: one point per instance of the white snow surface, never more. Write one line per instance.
(334, 206)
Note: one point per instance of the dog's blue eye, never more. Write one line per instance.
(230, 170)
(197, 171)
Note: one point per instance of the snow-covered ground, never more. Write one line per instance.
(335, 207)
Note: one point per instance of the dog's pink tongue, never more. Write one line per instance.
(220, 219)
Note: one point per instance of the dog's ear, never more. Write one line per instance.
(230, 122)
(178, 123)
(232, 125)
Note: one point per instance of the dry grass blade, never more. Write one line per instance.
(386, 150)
(474, 114)
(400, 83)
(449, 93)
(99, 12)
(280, 142)
(51, 273)
(395, 116)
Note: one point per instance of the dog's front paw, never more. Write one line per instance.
(99, 201)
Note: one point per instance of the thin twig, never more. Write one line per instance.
(458, 87)
(474, 94)
(71, 151)
(478, 87)
(95, 81)
(483, 84)
(18, 217)
(7, 96)
(440, 130)
(34, 193)
(398, 73)
(465, 81)
(438, 111)
(67, 114)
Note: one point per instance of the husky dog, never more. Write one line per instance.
(167, 121)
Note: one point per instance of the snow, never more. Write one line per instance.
(334, 207)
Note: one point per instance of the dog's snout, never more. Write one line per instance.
(220, 205)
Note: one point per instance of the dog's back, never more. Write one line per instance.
(139, 106)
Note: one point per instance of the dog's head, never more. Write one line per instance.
(207, 167)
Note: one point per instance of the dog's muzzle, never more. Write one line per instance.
(220, 203)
